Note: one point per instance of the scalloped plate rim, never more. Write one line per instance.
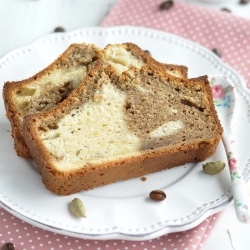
(119, 235)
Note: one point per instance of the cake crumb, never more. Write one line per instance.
(143, 178)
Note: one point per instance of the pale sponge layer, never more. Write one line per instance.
(55, 86)
(121, 59)
(107, 135)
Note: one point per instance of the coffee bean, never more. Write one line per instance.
(244, 1)
(217, 52)
(166, 5)
(148, 52)
(157, 195)
(8, 246)
(226, 10)
(59, 29)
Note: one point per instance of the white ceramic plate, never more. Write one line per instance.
(121, 210)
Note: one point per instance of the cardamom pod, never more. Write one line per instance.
(77, 208)
(213, 167)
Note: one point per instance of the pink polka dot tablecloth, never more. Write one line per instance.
(210, 28)
(25, 236)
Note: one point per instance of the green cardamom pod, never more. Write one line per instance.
(77, 208)
(213, 167)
